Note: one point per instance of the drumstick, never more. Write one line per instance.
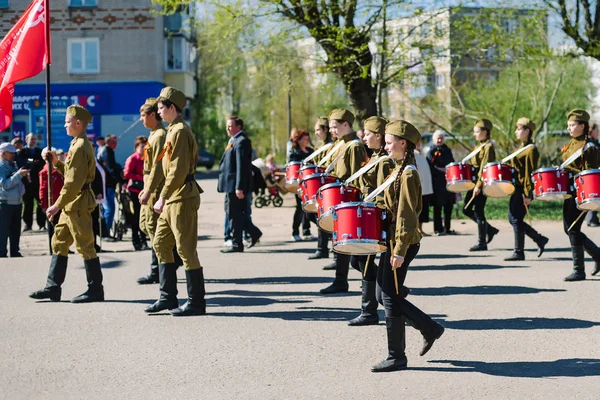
(527, 209)
(367, 266)
(578, 218)
(470, 201)
(396, 282)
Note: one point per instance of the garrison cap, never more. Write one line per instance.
(80, 113)
(7, 147)
(403, 130)
(376, 124)
(151, 101)
(527, 123)
(174, 96)
(578, 115)
(340, 114)
(323, 121)
(484, 124)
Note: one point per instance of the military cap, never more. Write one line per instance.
(404, 130)
(174, 96)
(7, 147)
(376, 124)
(151, 101)
(323, 121)
(527, 123)
(80, 113)
(484, 124)
(578, 115)
(339, 114)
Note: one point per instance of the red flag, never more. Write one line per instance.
(23, 54)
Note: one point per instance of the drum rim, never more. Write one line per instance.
(587, 171)
(382, 247)
(548, 169)
(310, 166)
(494, 163)
(293, 163)
(553, 193)
(354, 203)
(586, 201)
(318, 176)
(496, 181)
(327, 214)
(292, 182)
(337, 183)
(460, 180)
(458, 163)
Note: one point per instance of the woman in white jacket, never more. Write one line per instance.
(426, 184)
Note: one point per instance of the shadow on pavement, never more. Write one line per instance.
(291, 251)
(275, 280)
(452, 256)
(111, 264)
(252, 293)
(462, 267)
(300, 315)
(520, 324)
(248, 301)
(478, 290)
(570, 367)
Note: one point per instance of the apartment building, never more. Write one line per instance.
(109, 56)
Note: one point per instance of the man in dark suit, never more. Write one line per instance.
(235, 181)
(31, 157)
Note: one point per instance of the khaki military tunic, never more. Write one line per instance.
(524, 164)
(154, 179)
(479, 160)
(404, 205)
(353, 156)
(376, 176)
(177, 224)
(317, 159)
(590, 159)
(77, 201)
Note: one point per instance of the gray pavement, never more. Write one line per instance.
(513, 330)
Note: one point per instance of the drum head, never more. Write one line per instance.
(553, 196)
(292, 186)
(310, 206)
(499, 189)
(460, 186)
(357, 247)
(326, 222)
(589, 205)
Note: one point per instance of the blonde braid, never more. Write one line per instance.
(409, 158)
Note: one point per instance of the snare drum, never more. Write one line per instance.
(587, 185)
(309, 170)
(498, 180)
(310, 186)
(460, 177)
(291, 176)
(551, 184)
(329, 196)
(358, 229)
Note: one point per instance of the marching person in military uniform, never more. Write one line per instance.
(178, 204)
(403, 202)
(476, 209)
(77, 202)
(154, 179)
(346, 162)
(578, 127)
(524, 164)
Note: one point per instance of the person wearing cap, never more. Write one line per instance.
(591, 218)
(178, 204)
(76, 201)
(438, 156)
(476, 209)
(11, 197)
(524, 164)
(346, 161)
(382, 166)
(578, 126)
(403, 203)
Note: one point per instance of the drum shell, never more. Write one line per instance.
(331, 195)
(460, 177)
(309, 170)
(587, 187)
(291, 175)
(310, 186)
(498, 180)
(551, 184)
(358, 229)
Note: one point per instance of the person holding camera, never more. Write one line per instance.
(11, 195)
(134, 173)
(30, 157)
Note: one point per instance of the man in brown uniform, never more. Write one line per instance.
(75, 223)
(178, 205)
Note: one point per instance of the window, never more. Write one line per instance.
(3, 3)
(439, 28)
(83, 56)
(178, 55)
(509, 25)
(440, 81)
(83, 3)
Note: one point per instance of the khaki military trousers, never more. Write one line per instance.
(178, 225)
(74, 226)
(149, 218)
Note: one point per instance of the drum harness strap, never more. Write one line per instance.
(474, 152)
(366, 168)
(386, 184)
(341, 154)
(516, 153)
(317, 152)
(331, 153)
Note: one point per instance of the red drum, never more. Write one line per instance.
(310, 186)
(330, 196)
(309, 170)
(291, 176)
(587, 185)
(358, 229)
(498, 180)
(551, 184)
(460, 177)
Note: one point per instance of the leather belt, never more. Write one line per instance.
(146, 172)
(85, 186)
(190, 178)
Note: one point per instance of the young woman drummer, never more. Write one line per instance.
(578, 127)
(374, 138)
(403, 203)
(475, 209)
(524, 164)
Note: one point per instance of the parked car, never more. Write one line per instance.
(205, 159)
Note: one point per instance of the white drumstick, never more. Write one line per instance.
(516, 153)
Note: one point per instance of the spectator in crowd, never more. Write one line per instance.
(99, 188)
(58, 181)
(440, 155)
(134, 174)
(592, 216)
(300, 150)
(106, 157)
(30, 156)
(11, 194)
(60, 153)
(100, 143)
(18, 143)
(426, 185)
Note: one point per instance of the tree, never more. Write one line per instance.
(580, 20)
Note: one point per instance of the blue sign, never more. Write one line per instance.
(19, 129)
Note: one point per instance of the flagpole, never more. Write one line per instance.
(48, 116)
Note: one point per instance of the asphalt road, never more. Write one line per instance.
(514, 330)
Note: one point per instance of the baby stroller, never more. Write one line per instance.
(274, 186)
(124, 204)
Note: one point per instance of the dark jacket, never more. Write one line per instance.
(235, 170)
(439, 157)
(296, 154)
(106, 158)
(32, 159)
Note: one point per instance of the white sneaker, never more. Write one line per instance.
(228, 243)
(296, 238)
(308, 237)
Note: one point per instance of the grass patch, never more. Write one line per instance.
(539, 210)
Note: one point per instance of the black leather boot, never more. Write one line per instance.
(152, 277)
(318, 255)
(519, 253)
(591, 248)
(578, 273)
(430, 329)
(167, 274)
(196, 305)
(95, 291)
(481, 235)
(332, 266)
(396, 337)
(369, 315)
(540, 240)
(340, 284)
(56, 277)
(490, 231)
